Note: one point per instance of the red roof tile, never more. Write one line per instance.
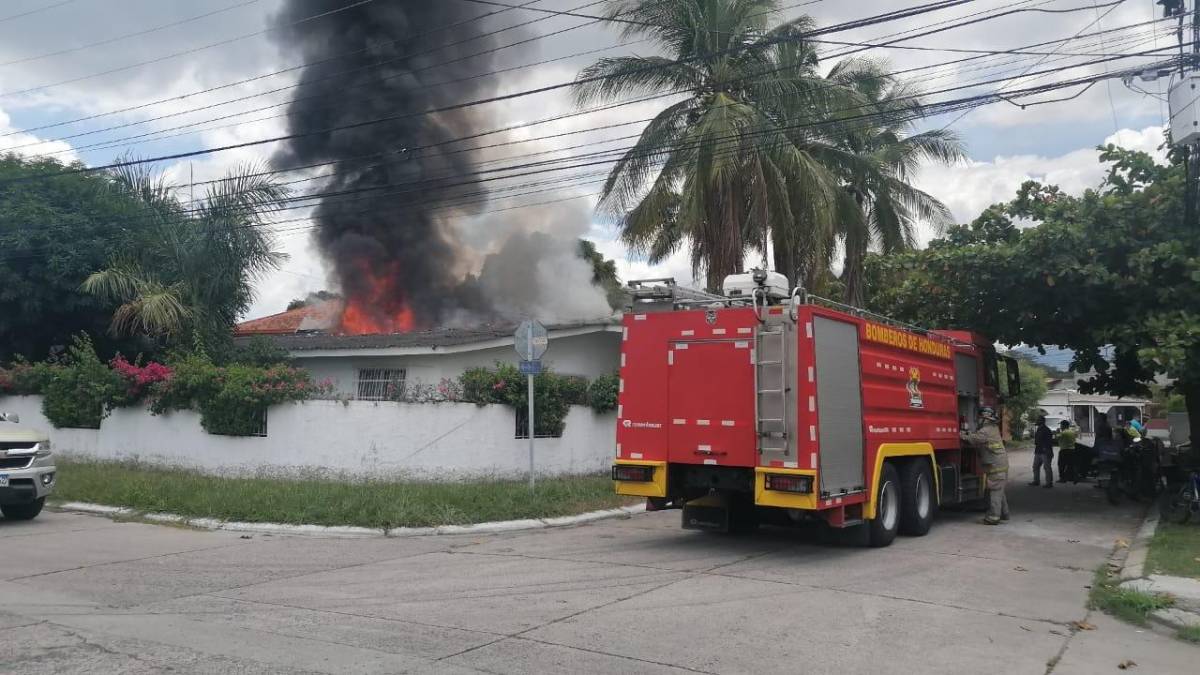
(320, 316)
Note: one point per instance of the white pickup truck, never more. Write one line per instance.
(27, 472)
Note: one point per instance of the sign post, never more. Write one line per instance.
(531, 341)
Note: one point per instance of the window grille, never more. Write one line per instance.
(380, 384)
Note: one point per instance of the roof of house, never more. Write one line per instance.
(318, 316)
(419, 340)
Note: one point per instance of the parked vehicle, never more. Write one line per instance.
(1180, 498)
(764, 405)
(1127, 468)
(27, 471)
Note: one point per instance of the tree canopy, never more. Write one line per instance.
(189, 275)
(53, 233)
(1113, 274)
(760, 152)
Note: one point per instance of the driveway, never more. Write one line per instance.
(86, 594)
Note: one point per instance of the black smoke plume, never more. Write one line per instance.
(399, 259)
(388, 249)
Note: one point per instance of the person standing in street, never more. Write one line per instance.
(1043, 452)
(1068, 463)
(994, 458)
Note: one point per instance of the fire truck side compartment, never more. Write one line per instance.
(839, 406)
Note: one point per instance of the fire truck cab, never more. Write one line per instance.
(764, 405)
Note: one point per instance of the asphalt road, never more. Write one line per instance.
(89, 595)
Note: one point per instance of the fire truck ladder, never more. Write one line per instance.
(771, 385)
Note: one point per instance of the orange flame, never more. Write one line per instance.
(378, 308)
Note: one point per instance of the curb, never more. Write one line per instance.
(1135, 560)
(1175, 619)
(350, 532)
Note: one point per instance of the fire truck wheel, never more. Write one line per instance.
(917, 503)
(882, 529)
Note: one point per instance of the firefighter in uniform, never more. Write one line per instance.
(995, 463)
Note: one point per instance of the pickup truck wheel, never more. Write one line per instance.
(917, 504)
(27, 511)
(882, 529)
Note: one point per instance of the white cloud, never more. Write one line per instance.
(969, 189)
(11, 141)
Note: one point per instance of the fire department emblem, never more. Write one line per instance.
(710, 316)
(914, 389)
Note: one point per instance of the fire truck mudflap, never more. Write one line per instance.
(740, 412)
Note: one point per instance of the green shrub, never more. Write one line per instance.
(481, 386)
(81, 390)
(23, 378)
(259, 351)
(602, 394)
(231, 399)
(505, 384)
(574, 389)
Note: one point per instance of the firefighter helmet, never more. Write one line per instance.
(988, 414)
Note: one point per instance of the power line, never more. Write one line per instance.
(126, 36)
(1039, 62)
(407, 150)
(194, 50)
(114, 142)
(342, 74)
(31, 12)
(507, 8)
(247, 80)
(468, 104)
(336, 76)
(539, 167)
(110, 143)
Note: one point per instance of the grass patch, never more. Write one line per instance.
(1124, 603)
(366, 503)
(1175, 549)
(1189, 634)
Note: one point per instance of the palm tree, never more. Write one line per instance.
(886, 206)
(190, 275)
(714, 170)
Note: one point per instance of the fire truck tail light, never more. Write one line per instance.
(625, 472)
(788, 483)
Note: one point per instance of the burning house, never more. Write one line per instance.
(373, 366)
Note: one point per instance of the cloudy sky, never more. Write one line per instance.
(170, 76)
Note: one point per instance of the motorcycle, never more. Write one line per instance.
(1128, 468)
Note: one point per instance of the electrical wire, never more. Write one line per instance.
(447, 108)
(126, 36)
(163, 133)
(1039, 62)
(31, 12)
(193, 50)
(493, 131)
(942, 106)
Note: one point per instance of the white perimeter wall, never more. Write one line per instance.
(443, 441)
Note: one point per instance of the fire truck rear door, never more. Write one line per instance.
(839, 405)
(711, 410)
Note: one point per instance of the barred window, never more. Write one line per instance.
(380, 384)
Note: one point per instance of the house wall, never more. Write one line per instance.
(356, 438)
(590, 354)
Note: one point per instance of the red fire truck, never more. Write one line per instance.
(764, 404)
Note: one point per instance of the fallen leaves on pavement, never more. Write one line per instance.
(1121, 543)
(1126, 664)
(1083, 625)
(1020, 569)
